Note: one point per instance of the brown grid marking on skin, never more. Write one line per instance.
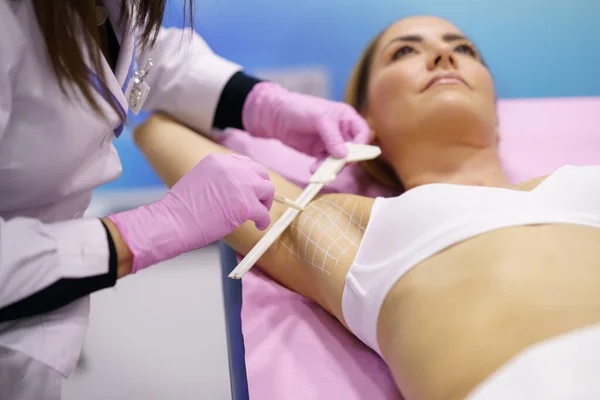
(324, 232)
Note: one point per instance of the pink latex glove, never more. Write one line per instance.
(312, 125)
(220, 193)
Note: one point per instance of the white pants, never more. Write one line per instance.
(564, 367)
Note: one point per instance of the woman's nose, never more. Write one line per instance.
(443, 59)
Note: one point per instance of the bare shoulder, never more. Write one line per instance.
(590, 172)
(530, 184)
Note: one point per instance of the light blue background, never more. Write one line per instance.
(535, 48)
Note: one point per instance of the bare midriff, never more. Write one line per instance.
(458, 316)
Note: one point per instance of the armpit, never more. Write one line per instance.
(326, 235)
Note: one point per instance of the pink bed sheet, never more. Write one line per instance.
(295, 350)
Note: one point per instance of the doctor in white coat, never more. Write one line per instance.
(70, 70)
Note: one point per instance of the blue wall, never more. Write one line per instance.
(535, 48)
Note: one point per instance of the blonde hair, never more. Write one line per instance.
(356, 95)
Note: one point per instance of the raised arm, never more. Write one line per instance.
(172, 150)
(313, 255)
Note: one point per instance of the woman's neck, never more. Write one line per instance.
(457, 164)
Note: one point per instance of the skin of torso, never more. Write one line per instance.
(458, 316)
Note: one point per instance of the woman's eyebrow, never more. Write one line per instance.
(447, 37)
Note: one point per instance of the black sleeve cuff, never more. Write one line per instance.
(64, 291)
(112, 253)
(231, 102)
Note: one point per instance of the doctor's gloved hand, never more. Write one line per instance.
(219, 194)
(312, 125)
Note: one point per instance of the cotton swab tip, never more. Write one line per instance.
(290, 203)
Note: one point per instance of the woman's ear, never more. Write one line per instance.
(373, 139)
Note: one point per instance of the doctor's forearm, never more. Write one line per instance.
(231, 103)
(120, 254)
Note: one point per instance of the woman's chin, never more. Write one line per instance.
(456, 93)
(451, 103)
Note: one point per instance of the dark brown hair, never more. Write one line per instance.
(357, 91)
(70, 31)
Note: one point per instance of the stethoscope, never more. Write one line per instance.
(135, 88)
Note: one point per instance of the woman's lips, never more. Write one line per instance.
(446, 78)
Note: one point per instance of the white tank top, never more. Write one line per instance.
(406, 230)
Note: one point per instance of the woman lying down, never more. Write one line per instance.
(466, 286)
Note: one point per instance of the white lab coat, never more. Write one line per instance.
(53, 153)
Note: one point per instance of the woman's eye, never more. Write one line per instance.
(466, 49)
(402, 51)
